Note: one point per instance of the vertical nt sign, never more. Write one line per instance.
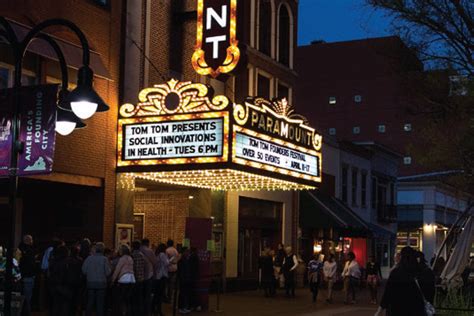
(216, 48)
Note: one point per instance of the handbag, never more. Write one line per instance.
(429, 308)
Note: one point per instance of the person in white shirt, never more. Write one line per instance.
(329, 271)
(351, 276)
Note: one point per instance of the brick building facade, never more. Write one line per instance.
(160, 41)
(78, 198)
(363, 92)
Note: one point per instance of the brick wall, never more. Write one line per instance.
(165, 214)
(92, 151)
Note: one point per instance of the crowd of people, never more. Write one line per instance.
(84, 277)
(277, 269)
(136, 279)
(411, 280)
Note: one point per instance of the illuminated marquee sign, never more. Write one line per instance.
(269, 136)
(193, 138)
(264, 152)
(216, 49)
(175, 123)
(181, 134)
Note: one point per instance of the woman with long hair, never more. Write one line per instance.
(402, 296)
(125, 278)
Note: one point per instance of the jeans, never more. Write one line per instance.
(290, 283)
(28, 285)
(96, 296)
(350, 284)
(158, 293)
(314, 286)
(138, 299)
(147, 294)
(330, 286)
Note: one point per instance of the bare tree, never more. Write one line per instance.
(440, 30)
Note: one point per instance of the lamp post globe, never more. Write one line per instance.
(83, 100)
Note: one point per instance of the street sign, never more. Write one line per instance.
(37, 124)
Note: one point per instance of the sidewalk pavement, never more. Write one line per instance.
(253, 303)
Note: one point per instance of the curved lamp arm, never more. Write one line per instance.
(61, 59)
(39, 28)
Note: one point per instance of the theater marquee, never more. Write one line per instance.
(181, 134)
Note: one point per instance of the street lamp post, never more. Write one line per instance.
(83, 101)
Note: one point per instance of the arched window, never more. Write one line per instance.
(284, 30)
(265, 27)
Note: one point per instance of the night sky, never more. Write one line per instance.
(339, 20)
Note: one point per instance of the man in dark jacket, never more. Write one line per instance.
(27, 270)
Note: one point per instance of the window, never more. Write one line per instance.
(363, 189)
(392, 193)
(381, 128)
(28, 77)
(458, 85)
(28, 80)
(263, 86)
(354, 186)
(332, 100)
(356, 130)
(284, 36)
(357, 98)
(264, 28)
(344, 184)
(373, 193)
(407, 160)
(102, 2)
(407, 127)
(283, 92)
(332, 131)
(4, 77)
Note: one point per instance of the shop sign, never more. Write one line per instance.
(37, 124)
(216, 49)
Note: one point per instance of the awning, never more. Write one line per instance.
(380, 232)
(320, 211)
(72, 52)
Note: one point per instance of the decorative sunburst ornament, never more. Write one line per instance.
(175, 97)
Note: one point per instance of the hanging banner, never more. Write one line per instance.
(5, 131)
(38, 120)
(216, 49)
